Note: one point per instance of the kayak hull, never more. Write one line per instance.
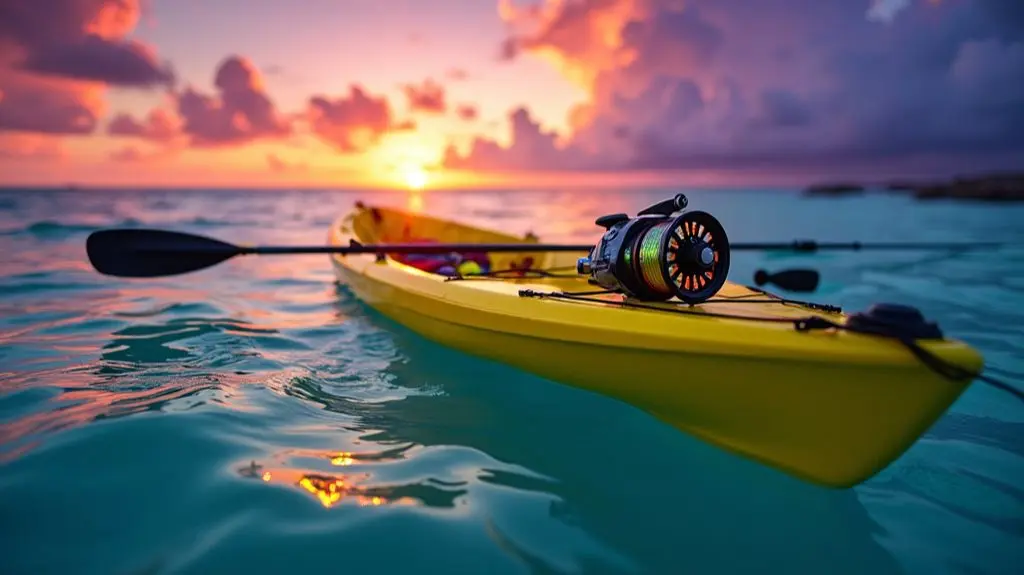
(831, 408)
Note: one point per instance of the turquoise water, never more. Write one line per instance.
(167, 425)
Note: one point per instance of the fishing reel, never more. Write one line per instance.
(658, 255)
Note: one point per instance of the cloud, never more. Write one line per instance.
(30, 147)
(428, 97)
(240, 113)
(243, 112)
(128, 155)
(467, 112)
(160, 125)
(278, 165)
(352, 123)
(43, 105)
(457, 74)
(57, 57)
(799, 83)
(81, 40)
(97, 59)
(531, 148)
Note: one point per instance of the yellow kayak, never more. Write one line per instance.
(831, 406)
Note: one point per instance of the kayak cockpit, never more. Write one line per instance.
(384, 225)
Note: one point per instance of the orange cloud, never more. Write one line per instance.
(276, 164)
(428, 97)
(580, 38)
(31, 147)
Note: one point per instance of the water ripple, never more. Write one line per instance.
(254, 415)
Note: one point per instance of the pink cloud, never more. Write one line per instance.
(159, 125)
(457, 74)
(243, 112)
(352, 123)
(467, 112)
(428, 97)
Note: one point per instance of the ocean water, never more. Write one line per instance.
(195, 424)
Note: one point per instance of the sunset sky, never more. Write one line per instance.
(454, 93)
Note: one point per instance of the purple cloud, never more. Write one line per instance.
(96, 59)
(798, 83)
(30, 105)
(80, 40)
(159, 125)
(241, 112)
(531, 148)
(58, 56)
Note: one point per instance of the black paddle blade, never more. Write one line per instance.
(138, 253)
(792, 280)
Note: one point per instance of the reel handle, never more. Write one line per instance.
(666, 207)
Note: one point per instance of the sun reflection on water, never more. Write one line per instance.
(329, 489)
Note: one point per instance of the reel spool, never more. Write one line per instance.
(656, 256)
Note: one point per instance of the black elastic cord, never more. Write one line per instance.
(948, 370)
(581, 296)
(523, 274)
(936, 364)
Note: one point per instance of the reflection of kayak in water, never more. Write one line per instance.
(831, 407)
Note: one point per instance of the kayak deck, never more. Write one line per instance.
(832, 407)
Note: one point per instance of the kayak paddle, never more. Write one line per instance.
(798, 280)
(154, 253)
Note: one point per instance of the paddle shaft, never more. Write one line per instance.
(155, 253)
(797, 246)
(813, 246)
(411, 248)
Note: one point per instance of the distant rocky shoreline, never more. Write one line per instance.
(1007, 187)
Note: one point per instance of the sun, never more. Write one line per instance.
(415, 178)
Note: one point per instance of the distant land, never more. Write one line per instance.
(998, 187)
